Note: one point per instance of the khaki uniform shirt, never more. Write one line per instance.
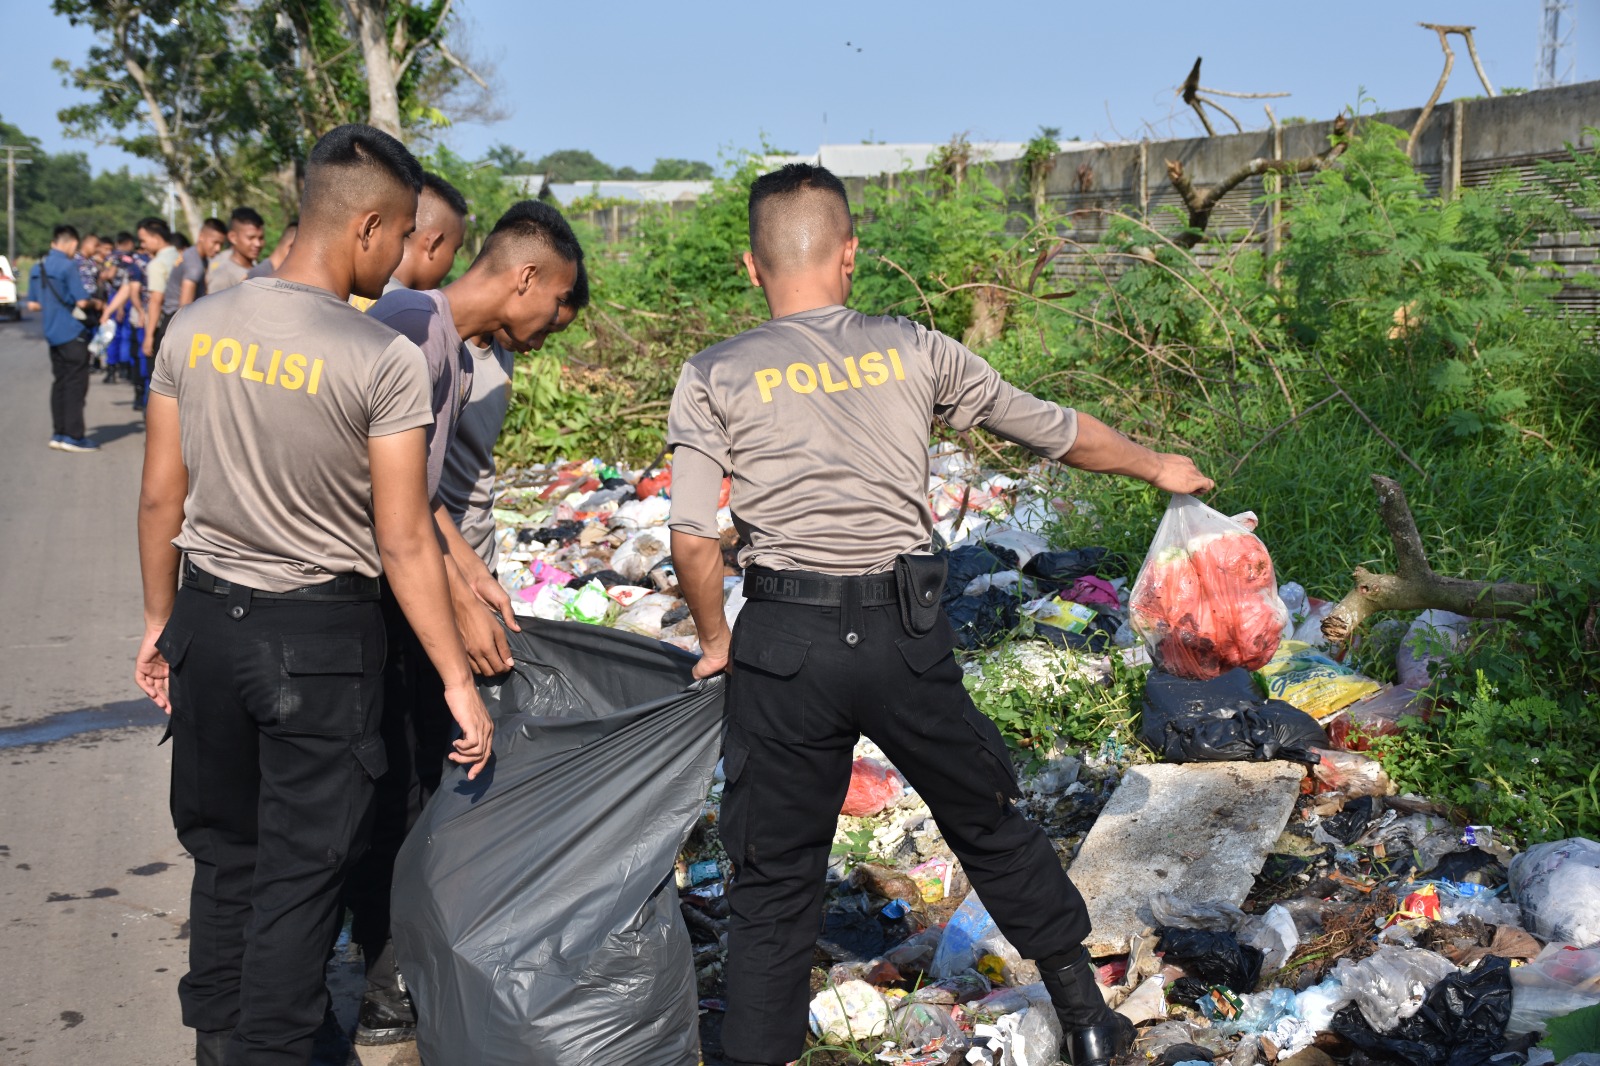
(279, 386)
(822, 419)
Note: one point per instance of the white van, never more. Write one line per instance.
(10, 306)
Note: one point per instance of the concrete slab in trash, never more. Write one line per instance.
(1200, 831)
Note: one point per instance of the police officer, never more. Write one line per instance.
(520, 283)
(285, 460)
(821, 417)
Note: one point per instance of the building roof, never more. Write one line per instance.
(659, 192)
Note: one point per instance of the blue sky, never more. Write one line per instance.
(692, 80)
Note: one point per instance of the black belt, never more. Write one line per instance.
(849, 594)
(345, 588)
(818, 590)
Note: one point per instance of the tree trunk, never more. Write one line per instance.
(988, 316)
(1414, 586)
(369, 22)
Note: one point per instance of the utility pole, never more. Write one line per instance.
(12, 162)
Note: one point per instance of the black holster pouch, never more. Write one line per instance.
(920, 580)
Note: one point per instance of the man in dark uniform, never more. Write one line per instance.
(286, 458)
(821, 417)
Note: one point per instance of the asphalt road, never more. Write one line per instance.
(93, 883)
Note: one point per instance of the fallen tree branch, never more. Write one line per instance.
(1414, 586)
(1202, 202)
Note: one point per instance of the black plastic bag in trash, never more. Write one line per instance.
(980, 621)
(1217, 958)
(1096, 638)
(1224, 720)
(1065, 567)
(535, 916)
(973, 561)
(1461, 1023)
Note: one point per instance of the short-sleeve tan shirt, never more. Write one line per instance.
(279, 386)
(822, 419)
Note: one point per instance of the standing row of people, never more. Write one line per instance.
(126, 289)
(314, 611)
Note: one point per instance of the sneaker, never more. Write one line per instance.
(55, 442)
(77, 444)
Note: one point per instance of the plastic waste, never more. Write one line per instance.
(1028, 1038)
(1274, 935)
(1455, 905)
(1224, 719)
(588, 604)
(916, 1025)
(1022, 544)
(1432, 636)
(1212, 956)
(646, 614)
(1148, 1002)
(971, 934)
(1558, 887)
(1317, 1005)
(1390, 985)
(1205, 600)
(1306, 678)
(1170, 911)
(873, 786)
(1559, 980)
(1461, 1022)
(851, 1010)
(1064, 567)
(1350, 774)
(639, 554)
(532, 862)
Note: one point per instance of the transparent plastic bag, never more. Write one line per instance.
(1391, 985)
(968, 937)
(1205, 600)
(1558, 887)
(1554, 984)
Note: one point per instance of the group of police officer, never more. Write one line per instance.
(317, 552)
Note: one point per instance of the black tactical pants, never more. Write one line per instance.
(417, 730)
(275, 751)
(798, 697)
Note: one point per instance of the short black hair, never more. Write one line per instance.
(537, 221)
(446, 192)
(156, 225)
(215, 224)
(123, 237)
(63, 230)
(580, 289)
(248, 216)
(357, 145)
(789, 185)
(181, 242)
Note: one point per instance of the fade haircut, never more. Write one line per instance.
(530, 223)
(247, 216)
(216, 225)
(580, 289)
(799, 214)
(445, 191)
(351, 167)
(63, 230)
(158, 226)
(124, 237)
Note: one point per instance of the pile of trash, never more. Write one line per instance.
(1377, 929)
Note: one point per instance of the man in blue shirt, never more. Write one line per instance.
(55, 287)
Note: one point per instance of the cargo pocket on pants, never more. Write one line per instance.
(1004, 774)
(730, 823)
(319, 693)
(173, 644)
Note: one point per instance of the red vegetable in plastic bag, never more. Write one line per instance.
(873, 786)
(1206, 599)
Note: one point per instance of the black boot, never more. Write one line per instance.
(208, 1047)
(387, 1015)
(1092, 1034)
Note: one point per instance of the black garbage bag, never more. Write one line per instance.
(1065, 567)
(986, 619)
(535, 916)
(1215, 957)
(1224, 720)
(1461, 1023)
(1096, 638)
(971, 561)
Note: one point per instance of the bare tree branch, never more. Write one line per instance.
(1242, 96)
(1201, 203)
